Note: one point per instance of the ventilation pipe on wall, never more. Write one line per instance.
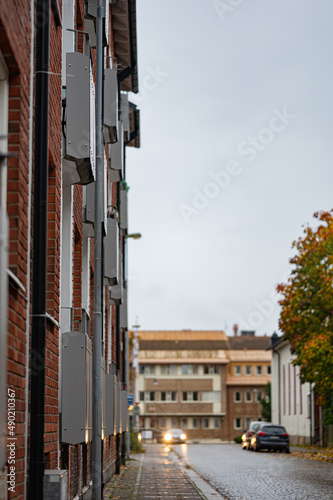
(36, 470)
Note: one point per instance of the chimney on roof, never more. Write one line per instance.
(235, 328)
(274, 338)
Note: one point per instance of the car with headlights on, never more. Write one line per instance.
(270, 437)
(174, 436)
(247, 435)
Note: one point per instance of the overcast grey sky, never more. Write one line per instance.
(236, 155)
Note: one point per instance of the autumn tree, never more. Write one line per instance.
(306, 318)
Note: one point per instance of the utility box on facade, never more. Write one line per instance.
(124, 116)
(116, 173)
(116, 291)
(76, 384)
(124, 411)
(79, 128)
(110, 105)
(123, 209)
(55, 484)
(123, 310)
(88, 199)
(111, 253)
(109, 403)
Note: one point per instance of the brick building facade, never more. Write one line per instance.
(69, 291)
(204, 382)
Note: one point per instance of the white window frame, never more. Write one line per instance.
(246, 397)
(236, 370)
(204, 420)
(168, 397)
(190, 396)
(240, 397)
(235, 423)
(248, 368)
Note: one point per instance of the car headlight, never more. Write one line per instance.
(183, 437)
(167, 437)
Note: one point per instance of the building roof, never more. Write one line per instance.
(248, 343)
(125, 42)
(182, 335)
(180, 345)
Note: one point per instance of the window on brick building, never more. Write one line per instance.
(168, 396)
(141, 396)
(259, 396)
(248, 370)
(248, 421)
(189, 369)
(205, 423)
(237, 369)
(237, 396)
(211, 369)
(174, 422)
(211, 396)
(169, 369)
(259, 370)
(248, 396)
(269, 370)
(184, 423)
(149, 396)
(217, 423)
(190, 396)
(195, 423)
(238, 423)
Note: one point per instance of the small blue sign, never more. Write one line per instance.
(130, 399)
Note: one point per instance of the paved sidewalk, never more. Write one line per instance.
(152, 475)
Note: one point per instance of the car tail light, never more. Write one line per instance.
(262, 433)
(250, 433)
(285, 435)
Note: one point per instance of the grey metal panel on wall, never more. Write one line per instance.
(109, 404)
(89, 203)
(3, 334)
(89, 394)
(117, 156)
(116, 291)
(124, 411)
(123, 209)
(79, 115)
(111, 253)
(117, 406)
(74, 394)
(123, 313)
(110, 105)
(124, 116)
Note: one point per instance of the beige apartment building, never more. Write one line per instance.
(204, 382)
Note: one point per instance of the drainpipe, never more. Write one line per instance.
(279, 384)
(98, 282)
(36, 472)
(27, 325)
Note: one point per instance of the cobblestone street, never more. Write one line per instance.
(246, 475)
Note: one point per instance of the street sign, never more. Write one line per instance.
(130, 399)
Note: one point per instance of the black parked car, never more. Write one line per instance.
(270, 437)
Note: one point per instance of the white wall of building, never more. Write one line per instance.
(290, 399)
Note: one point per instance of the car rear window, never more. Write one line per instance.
(273, 428)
